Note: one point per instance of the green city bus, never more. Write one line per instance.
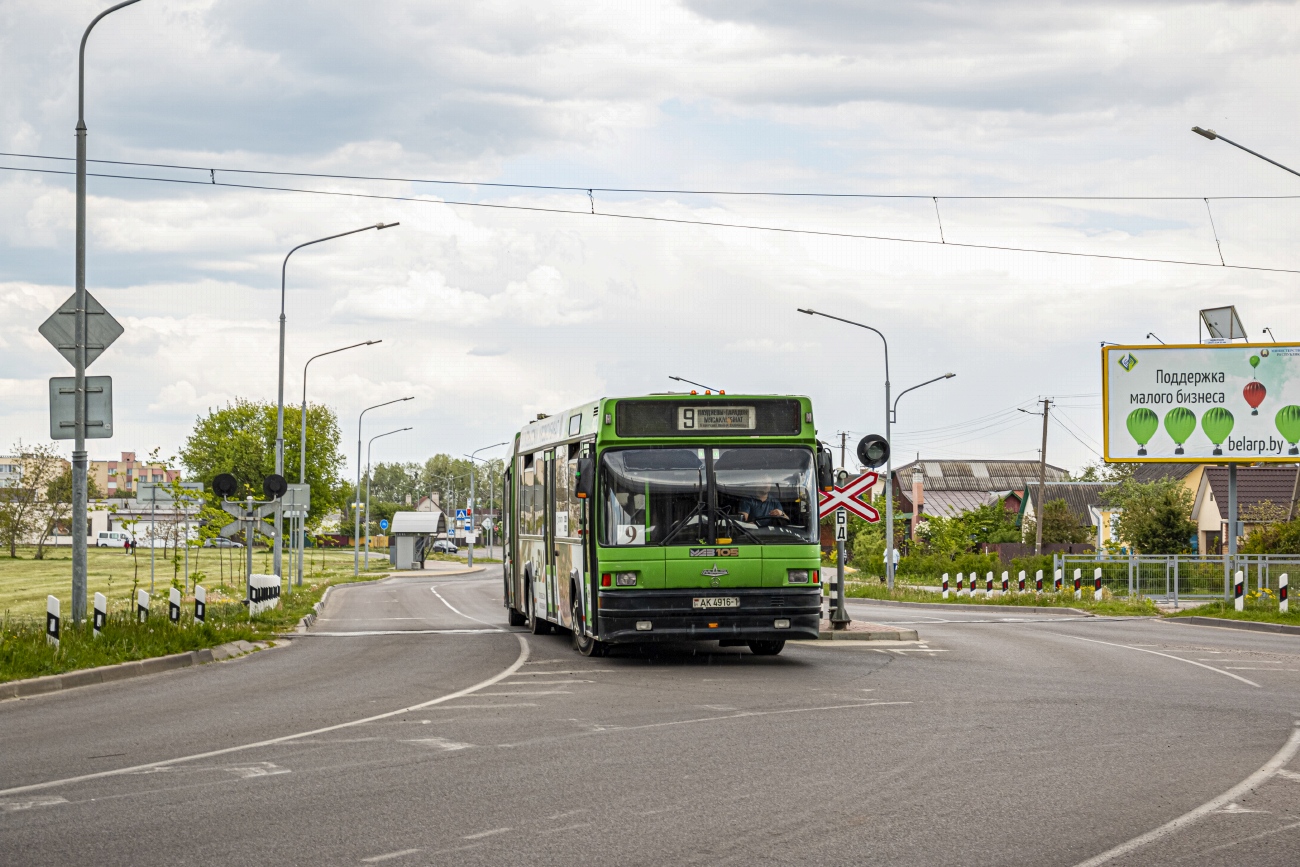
(666, 518)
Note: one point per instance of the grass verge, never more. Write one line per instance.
(24, 652)
(1109, 605)
(1262, 610)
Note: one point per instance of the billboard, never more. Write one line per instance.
(1198, 403)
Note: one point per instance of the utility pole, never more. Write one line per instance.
(844, 436)
(1042, 483)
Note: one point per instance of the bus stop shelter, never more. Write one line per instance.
(411, 537)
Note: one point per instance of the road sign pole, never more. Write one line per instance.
(840, 616)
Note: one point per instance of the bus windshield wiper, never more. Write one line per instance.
(677, 528)
(735, 524)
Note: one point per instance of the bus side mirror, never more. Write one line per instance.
(585, 478)
(825, 470)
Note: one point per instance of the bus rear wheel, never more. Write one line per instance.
(539, 626)
(514, 616)
(583, 643)
(767, 648)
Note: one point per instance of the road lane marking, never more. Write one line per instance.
(375, 859)
(166, 763)
(13, 805)
(1290, 775)
(1166, 656)
(1270, 768)
(361, 633)
(533, 692)
(568, 680)
(462, 613)
(481, 834)
(442, 744)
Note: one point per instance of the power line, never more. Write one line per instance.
(649, 190)
(680, 221)
(1073, 434)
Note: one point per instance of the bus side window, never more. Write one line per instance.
(528, 523)
(563, 487)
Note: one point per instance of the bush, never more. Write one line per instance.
(1031, 565)
(932, 566)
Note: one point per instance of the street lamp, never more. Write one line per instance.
(1212, 135)
(894, 411)
(279, 412)
(700, 385)
(889, 465)
(1151, 335)
(472, 475)
(356, 496)
(368, 445)
(302, 439)
(80, 459)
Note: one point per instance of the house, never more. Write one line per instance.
(950, 488)
(1255, 486)
(120, 478)
(1085, 503)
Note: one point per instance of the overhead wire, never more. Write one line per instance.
(681, 221)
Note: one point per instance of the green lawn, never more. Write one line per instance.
(25, 582)
(1259, 609)
(1107, 606)
(24, 652)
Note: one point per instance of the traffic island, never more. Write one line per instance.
(860, 630)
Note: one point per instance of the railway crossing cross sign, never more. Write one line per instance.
(849, 497)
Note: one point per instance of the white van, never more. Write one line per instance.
(113, 539)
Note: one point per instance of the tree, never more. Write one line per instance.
(58, 506)
(22, 505)
(1059, 525)
(240, 439)
(1278, 537)
(1155, 517)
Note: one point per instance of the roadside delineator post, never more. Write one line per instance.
(1239, 591)
(1282, 604)
(142, 605)
(200, 603)
(945, 585)
(101, 613)
(174, 606)
(960, 591)
(1078, 583)
(988, 584)
(1058, 579)
(52, 621)
(1021, 585)
(1038, 581)
(1096, 584)
(1006, 581)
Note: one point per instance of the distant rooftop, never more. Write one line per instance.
(985, 476)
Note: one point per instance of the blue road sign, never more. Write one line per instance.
(383, 525)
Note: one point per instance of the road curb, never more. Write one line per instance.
(126, 670)
(425, 573)
(958, 606)
(869, 635)
(1249, 625)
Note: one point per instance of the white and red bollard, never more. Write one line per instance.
(1078, 583)
(1096, 584)
(1239, 591)
(945, 585)
(1006, 581)
(1021, 585)
(1281, 594)
(988, 585)
(960, 592)
(1059, 578)
(1038, 581)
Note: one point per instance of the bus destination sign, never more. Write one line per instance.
(714, 418)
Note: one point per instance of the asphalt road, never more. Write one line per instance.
(413, 727)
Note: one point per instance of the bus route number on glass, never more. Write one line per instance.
(712, 418)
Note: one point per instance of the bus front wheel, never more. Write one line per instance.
(583, 643)
(766, 648)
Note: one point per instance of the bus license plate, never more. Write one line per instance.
(716, 602)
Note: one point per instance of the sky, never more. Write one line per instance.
(490, 314)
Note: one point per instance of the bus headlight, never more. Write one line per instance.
(797, 576)
(781, 624)
(625, 579)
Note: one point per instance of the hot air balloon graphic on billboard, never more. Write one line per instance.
(1217, 424)
(1254, 392)
(1288, 424)
(1180, 423)
(1142, 424)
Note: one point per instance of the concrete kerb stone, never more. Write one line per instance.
(126, 670)
(1224, 623)
(957, 606)
(875, 633)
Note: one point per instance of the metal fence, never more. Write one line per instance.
(1177, 576)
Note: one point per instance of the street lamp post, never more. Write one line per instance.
(80, 459)
(1212, 135)
(302, 439)
(472, 475)
(356, 495)
(368, 445)
(279, 412)
(893, 417)
(889, 464)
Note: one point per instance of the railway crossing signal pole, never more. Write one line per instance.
(841, 500)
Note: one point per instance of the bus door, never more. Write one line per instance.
(548, 534)
(567, 549)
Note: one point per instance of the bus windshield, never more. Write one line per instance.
(694, 496)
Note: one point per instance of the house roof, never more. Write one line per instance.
(1254, 485)
(1146, 473)
(1081, 497)
(987, 476)
(949, 504)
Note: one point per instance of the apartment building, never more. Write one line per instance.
(120, 478)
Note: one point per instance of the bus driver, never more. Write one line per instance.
(761, 509)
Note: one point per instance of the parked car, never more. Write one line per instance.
(113, 539)
(221, 542)
(442, 546)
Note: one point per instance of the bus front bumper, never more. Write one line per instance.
(671, 615)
